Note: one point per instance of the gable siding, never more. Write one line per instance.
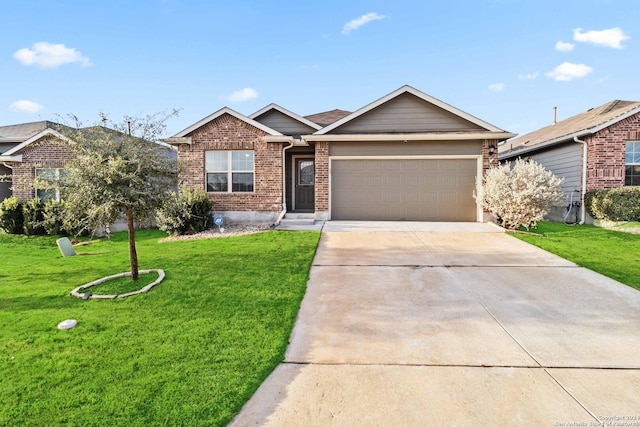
(284, 124)
(565, 162)
(406, 114)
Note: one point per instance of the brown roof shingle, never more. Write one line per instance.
(327, 117)
(583, 122)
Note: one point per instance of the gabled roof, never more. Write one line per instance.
(586, 123)
(286, 112)
(220, 112)
(23, 131)
(12, 154)
(417, 93)
(327, 117)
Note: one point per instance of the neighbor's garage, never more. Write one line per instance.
(404, 189)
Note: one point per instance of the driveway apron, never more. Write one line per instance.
(414, 324)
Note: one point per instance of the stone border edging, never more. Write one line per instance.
(76, 294)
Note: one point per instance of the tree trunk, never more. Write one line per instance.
(133, 254)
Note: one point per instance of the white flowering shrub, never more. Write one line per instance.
(520, 194)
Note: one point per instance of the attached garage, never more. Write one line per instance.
(409, 189)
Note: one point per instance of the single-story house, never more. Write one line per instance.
(28, 150)
(596, 149)
(405, 156)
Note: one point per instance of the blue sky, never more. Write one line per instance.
(508, 62)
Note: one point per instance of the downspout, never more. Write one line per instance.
(584, 178)
(284, 183)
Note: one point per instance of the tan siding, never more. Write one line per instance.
(406, 114)
(399, 148)
(284, 124)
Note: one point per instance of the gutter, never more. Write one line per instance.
(505, 155)
(431, 136)
(583, 214)
(292, 142)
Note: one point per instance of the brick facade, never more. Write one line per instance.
(229, 133)
(606, 153)
(322, 177)
(49, 152)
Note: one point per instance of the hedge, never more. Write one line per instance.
(614, 204)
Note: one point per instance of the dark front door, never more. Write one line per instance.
(304, 188)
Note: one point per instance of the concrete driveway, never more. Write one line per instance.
(414, 324)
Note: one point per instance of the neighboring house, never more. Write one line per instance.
(28, 150)
(597, 149)
(37, 150)
(406, 156)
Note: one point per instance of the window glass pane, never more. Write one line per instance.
(46, 195)
(46, 174)
(242, 182)
(216, 160)
(217, 182)
(242, 160)
(636, 158)
(305, 172)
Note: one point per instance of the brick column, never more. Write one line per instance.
(322, 180)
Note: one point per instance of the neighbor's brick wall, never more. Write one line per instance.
(49, 152)
(322, 176)
(229, 133)
(606, 153)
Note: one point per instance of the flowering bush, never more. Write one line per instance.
(520, 194)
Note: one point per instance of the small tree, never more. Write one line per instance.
(118, 171)
(520, 194)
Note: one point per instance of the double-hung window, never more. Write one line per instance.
(50, 181)
(229, 171)
(632, 164)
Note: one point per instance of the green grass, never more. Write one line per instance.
(121, 285)
(611, 253)
(189, 352)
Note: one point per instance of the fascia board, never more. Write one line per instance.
(11, 159)
(34, 138)
(560, 140)
(431, 136)
(220, 112)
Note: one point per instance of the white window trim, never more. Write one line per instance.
(230, 172)
(629, 164)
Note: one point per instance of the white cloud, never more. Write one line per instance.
(24, 106)
(354, 24)
(568, 71)
(47, 55)
(613, 37)
(530, 76)
(496, 87)
(564, 46)
(242, 95)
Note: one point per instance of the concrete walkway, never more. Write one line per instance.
(410, 324)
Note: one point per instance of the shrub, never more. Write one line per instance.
(615, 204)
(520, 194)
(33, 217)
(185, 212)
(11, 217)
(52, 218)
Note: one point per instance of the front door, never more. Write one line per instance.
(304, 183)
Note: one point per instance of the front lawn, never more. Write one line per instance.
(188, 353)
(611, 253)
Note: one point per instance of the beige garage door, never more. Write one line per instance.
(404, 190)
